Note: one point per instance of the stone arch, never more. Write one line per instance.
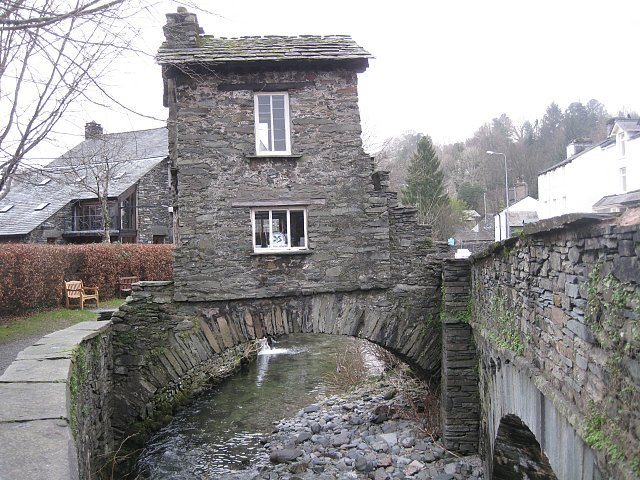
(517, 453)
(514, 395)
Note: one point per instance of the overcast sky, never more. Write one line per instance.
(441, 67)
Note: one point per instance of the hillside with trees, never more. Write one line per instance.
(469, 173)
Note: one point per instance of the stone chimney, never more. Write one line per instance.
(577, 146)
(182, 28)
(92, 130)
(520, 190)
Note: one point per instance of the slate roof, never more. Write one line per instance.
(138, 151)
(629, 125)
(213, 50)
(517, 219)
(626, 199)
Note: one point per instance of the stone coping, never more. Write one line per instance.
(36, 439)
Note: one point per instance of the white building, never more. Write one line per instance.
(592, 172)
(520, 213)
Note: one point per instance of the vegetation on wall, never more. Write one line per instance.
(613, 315)
(505, 331)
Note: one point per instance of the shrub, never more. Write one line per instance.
(33, 275)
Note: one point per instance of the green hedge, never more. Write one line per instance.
(32, 276)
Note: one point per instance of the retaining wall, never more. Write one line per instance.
(55, 420)
(556, 313)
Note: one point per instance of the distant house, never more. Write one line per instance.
(520, 213)
(476, 238)
(49, 206)
(592, 172)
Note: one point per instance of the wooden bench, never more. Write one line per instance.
(124, 285)
(75, 291)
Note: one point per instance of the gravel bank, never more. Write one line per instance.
(370, 433)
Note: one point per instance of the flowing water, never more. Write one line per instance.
(218, 435)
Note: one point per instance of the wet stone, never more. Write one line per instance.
(393, 448)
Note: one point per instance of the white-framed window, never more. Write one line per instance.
(279, 229)
(273, 135)
(623, 178)
(620, 140)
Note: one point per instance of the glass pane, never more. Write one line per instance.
(264, 124)
(279, 229)
(261, 239)
(264, 137)
(298, 237)
(278, 102)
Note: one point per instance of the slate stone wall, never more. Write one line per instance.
(55, 420)
(53, 227)
(460, 402)
(166, 350)
(214, 155)
(162, 355)
(153, 200)
(564, 302)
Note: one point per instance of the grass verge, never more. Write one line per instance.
(41, 323)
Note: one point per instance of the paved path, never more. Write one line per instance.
(9, 350)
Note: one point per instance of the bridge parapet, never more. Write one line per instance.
(556, 315)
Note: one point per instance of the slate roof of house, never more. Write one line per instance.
(627, 199)
(220, 50)
(517, 219)
(138, 153)
(629, 125)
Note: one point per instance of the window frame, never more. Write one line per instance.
(288, 208)
(287, 124)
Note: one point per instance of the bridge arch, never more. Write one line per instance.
(517, 454)
(165, 350)
(518, 405)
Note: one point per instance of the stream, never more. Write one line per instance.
(218, 435)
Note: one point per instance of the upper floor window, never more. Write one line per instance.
(620, 140)
(623, 179)
(273, 134)
(279, 229)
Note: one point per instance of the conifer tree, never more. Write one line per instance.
(425, 182)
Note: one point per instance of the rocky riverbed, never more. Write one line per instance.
(374, 433)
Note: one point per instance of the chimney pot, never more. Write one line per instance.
(92, 130)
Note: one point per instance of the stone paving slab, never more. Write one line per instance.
(47, 350)
(37, 450)
(96, 326)
(50, 370)
(32, 401)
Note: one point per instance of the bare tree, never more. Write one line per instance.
(91, 168)
(52, 54)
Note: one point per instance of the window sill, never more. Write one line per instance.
(282, 252)
(275, 156)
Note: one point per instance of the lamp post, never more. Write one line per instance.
(506, 187)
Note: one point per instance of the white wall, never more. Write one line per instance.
(577, 185)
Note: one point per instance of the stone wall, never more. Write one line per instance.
(56, 406)
(218, 175)
(154, 198)
(53, 227)
(162, 356)
(166, 350)
(559, 309)
(460, 403)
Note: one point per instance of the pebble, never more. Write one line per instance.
(360, 436)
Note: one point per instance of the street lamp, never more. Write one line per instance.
(506, 187)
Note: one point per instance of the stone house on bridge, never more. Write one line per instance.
(54, 204)
(274, 195)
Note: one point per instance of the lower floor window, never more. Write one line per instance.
(279, 229)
